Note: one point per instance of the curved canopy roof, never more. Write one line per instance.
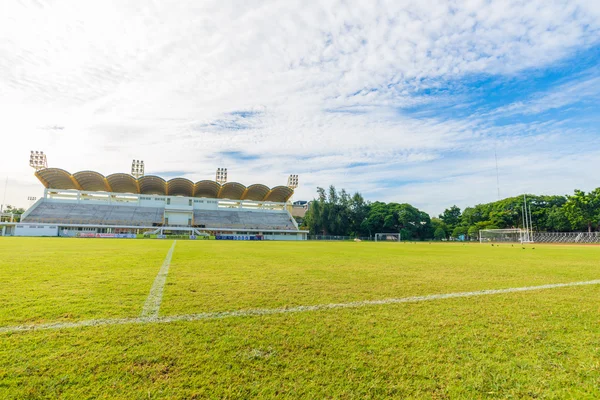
(256, 192)
(56, 178)
(208, 189)
(279, 194)
(232, 191)
(180, 187)
(123, 183)
(92, 181)
(150, 184)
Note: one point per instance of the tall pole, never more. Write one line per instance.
(523, 218)
(526, 219)
(530, 224)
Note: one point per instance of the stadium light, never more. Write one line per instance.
(38, 160)
(221, 177)
(292, 181)
(137, 168)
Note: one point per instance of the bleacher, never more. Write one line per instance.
(109, 214)
(241, 219)
(67, 213)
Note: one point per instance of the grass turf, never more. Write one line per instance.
(520, 345)
(56, 279)
(220, 276)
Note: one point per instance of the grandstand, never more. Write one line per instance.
(88, 203)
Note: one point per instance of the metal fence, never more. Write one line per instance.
(336, 238)
(566, 237)
(536, 237)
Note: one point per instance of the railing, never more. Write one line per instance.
(566, 237)
(100, 222)
(337, 238)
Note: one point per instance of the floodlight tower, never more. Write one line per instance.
(292, 181)
(221, 177)
(137, 168)
(38, 160)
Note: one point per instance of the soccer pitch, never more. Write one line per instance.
(109, 318)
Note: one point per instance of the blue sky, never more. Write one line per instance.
(398, 100)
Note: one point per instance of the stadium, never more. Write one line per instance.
(89, 204)
(444, 244)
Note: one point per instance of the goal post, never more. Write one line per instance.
(387, 237)
(515, 235)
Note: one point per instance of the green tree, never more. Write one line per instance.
(437, 223)
(583, 209)
(459, 231)
(451, 217)
(557, 220)
(14, 210)
(335, 212)
(473, 232)
(439, 233)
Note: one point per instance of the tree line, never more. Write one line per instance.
(338, 213)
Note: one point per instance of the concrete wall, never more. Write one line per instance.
(35, 230)
(288, 237)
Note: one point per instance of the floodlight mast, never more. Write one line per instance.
(137, 168)
(38, 160)
(221, 176)
(292, 182)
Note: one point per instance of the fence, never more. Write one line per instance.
(566, 237)
(337, 238)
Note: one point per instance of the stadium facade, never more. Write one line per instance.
(89, 204)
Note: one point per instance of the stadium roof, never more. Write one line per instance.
(56, 178)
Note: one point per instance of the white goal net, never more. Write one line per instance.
(503, 236)
(387, 237)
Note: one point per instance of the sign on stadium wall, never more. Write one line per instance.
(106, 235)
(238, 237)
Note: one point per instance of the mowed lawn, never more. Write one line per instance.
(223, 276)
(537, 344)
(52, 279)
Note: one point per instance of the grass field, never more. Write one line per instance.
(536, 344)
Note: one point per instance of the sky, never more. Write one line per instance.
(402, 101)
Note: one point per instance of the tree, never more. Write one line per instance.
(439, 233)
(437, 223)
(459, 231)
(451, 217)
(583, 209)
(557, 220)
(473, 232)
(14, 210)
(336, 213)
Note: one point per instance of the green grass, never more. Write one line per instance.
(541, 344)
(219, 276)
(52, 279)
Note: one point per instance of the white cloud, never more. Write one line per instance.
(159, 81)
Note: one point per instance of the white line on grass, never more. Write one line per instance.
(152, 305)
(271, 311)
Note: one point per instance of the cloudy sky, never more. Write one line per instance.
(404, 101)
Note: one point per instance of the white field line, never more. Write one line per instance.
(152, 305)
(271, 311)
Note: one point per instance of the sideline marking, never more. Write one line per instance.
(152, 304)
(271, 311)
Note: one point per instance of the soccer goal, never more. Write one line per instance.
(515, 235)
(387, 237)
